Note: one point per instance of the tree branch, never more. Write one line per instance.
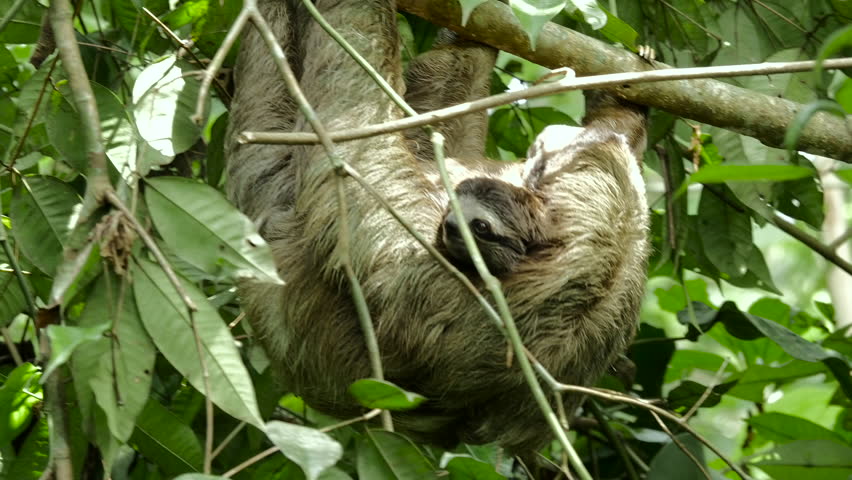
(763, 117)
(619, 81)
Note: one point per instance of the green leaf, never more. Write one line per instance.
(687, 394)
(216, 151)
(725, 234)
(199, 476)
(202, 227)
(164, 98)
(728, 172)
(373, 393)
(844, 174)
(164, 439)
(42, 211)
(64, 340)
(533, 14)
(670, 462)
(169, 323)
(389, 456)
(63, 129)
(464, 467)
(25, 25)
(783, 428)
(810, 459)
(467, 8)
(12, 299)
(120, 386)
(800, 121)
(19, 394)
(311, 449)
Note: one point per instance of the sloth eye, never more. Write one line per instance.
(480, 227)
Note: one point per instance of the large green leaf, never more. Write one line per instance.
(169, 323)
(670, 462)
(120, 386)
(65, 339)
(725, 234)
(42, 213)
(389, 456)
(167, 441)
(203, 228)
(311, 449)
(783, 428)
(808, 459)
(25, 26)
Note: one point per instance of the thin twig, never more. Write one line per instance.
(363, 418)
(269, 451)
(10, 344)
(492, 284)
(16, 267)
(692, 21)
(220, 89)
(251, 461)
(208, 402)
(642, 403)
(218, 59)
(564, 85)
(307, 110)
(614, 439)
(812, 242)
(707, 391)
(837, 242)
(57, 419)
(681, 446)
(191, 308)
(227, 440)
(97, 179)
(13, 10)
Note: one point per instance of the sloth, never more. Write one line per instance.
(567, 231)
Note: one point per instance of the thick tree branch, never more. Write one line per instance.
(751, 113)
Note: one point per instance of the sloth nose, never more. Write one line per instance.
(451, 226)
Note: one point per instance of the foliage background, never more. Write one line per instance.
(738, 319)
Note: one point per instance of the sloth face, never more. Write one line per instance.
(500, 217)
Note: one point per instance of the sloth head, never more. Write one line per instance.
(504, 219)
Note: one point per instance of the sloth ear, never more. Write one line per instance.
(551, 141)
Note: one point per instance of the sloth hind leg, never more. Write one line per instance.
(454, 71)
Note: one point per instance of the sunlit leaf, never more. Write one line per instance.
(18, 395)
(533, 14)
(373, 393)
(164, 98)
(311, 449)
